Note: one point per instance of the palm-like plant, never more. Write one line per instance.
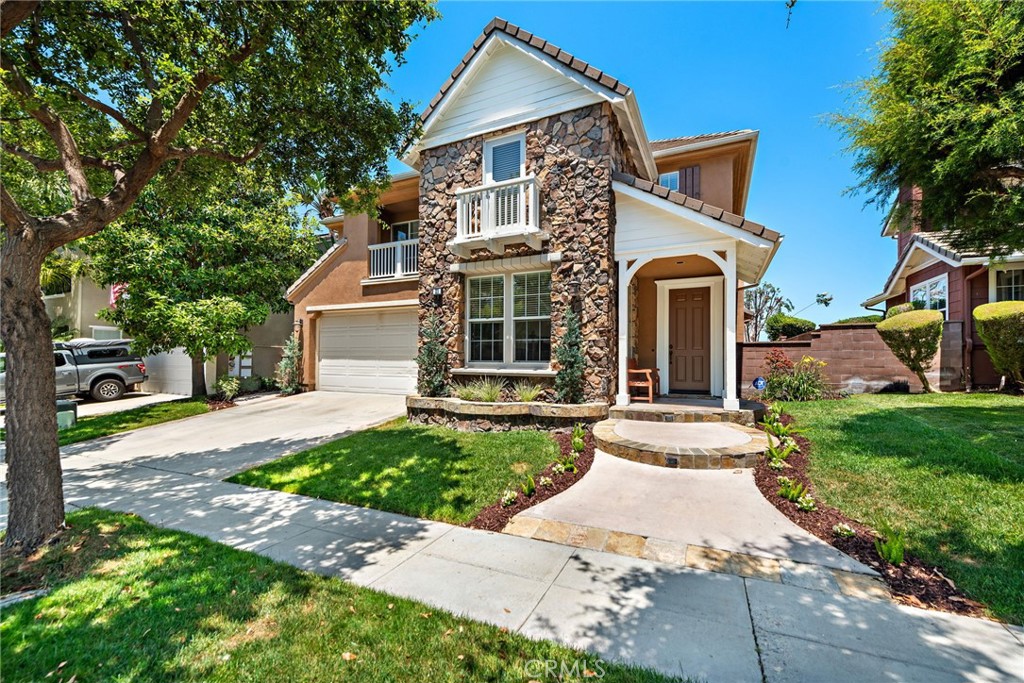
(315, 194)
(59, 270)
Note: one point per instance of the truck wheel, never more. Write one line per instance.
(108, 390)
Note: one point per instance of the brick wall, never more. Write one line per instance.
(858, 361)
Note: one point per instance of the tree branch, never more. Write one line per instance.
(96, 104)
(54, 126)
(12, 215)
(44, 165)
(155, 113)
(183, 153)
(13, 12)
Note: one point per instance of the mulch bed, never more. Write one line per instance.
(912, 583)
(495, 517)
(216, 404)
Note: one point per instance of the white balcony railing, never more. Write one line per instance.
(503, 209)
(394, 259)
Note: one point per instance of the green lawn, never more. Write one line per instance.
(114, 423)
(428, 472)
(132, 602)
(947, 469)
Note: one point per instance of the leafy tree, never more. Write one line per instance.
(763, 302)
(571, 364)
(110, 94)
(197, 270)
(944, 113)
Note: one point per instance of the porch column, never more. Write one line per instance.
(622, 394)
(730, 399)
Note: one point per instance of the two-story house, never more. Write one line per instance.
(537, 190)
(932, 273)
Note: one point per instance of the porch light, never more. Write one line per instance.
(437, 293)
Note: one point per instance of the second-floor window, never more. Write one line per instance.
(685, 180)
(669, 180)
(932, 294)
(1010, 285)
(406, 230)
(504, 158)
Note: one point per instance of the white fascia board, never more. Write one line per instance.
(705, 144)
(482, 55)
(693, 216)
(371, 305)
(768, 261)
(327, 256)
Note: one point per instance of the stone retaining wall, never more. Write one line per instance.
(858, 361)
(473, 416)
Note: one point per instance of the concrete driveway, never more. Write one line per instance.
(219, 444)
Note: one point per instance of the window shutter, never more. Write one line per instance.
(505, 161)
(690, 181)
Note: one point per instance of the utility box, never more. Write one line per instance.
(67, 414)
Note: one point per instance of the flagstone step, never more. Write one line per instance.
(690, 410)
(686, 445)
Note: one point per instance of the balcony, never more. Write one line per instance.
(393, 260)
(491, 216)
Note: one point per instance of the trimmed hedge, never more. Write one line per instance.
(914, 339)
(903, 308)
(782, 326)
(859, 319)
(1001, 327)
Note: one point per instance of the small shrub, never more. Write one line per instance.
(571, 364)
(529, 486)
(914, 339)
(508, 498)
(566, 463)
(804, 381)
(546, 481)
(527, 391)
(790, 489)
(268, 384)
(778, 453)
(432, 359)
(250, 385)
(806, 503)
(843, 530)
(228, 387)
(899, 309)
(289, 368)
(577, 438)
(1001, 327)
(859, 319)
(782, 326)
(890, 545)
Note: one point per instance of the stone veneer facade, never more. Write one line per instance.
(573, 156)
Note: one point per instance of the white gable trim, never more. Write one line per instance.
(624, 106)
(291, 294)
(898, 284)
(693, 216)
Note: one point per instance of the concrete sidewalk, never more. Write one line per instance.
(676, 619)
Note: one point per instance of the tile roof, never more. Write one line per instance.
(697, 205)
(669, 143)
(524, 36)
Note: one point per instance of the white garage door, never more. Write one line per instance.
(368, 351)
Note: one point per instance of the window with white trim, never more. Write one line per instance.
(509, 319)
(932, 294)
(405, 230)
(669, 180)
(1010, 285)
(504, 158)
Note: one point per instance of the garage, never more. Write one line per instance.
(370, 351)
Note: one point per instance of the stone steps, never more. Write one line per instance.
(748, 415)
(694, 445)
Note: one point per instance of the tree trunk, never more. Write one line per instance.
(34, 481)
(199, 377)
(926, 387)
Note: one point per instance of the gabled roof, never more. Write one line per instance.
(714, 212)
(688, 140)
(604, 85)
(319, 265)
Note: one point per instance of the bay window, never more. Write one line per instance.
(509, 319)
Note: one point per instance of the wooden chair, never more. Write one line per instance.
(643, 378)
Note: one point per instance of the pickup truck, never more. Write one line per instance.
(86, 367)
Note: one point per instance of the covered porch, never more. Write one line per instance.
(681, 267)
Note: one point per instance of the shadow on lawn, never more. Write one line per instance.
(166, 592)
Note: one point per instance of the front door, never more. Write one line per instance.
(689, 339)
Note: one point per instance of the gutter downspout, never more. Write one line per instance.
(969, 329)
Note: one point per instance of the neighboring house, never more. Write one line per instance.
(929, 271)
(171, 373)
(536, 189)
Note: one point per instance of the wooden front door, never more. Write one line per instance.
(689, 339)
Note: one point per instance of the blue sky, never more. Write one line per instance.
(704, 67)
